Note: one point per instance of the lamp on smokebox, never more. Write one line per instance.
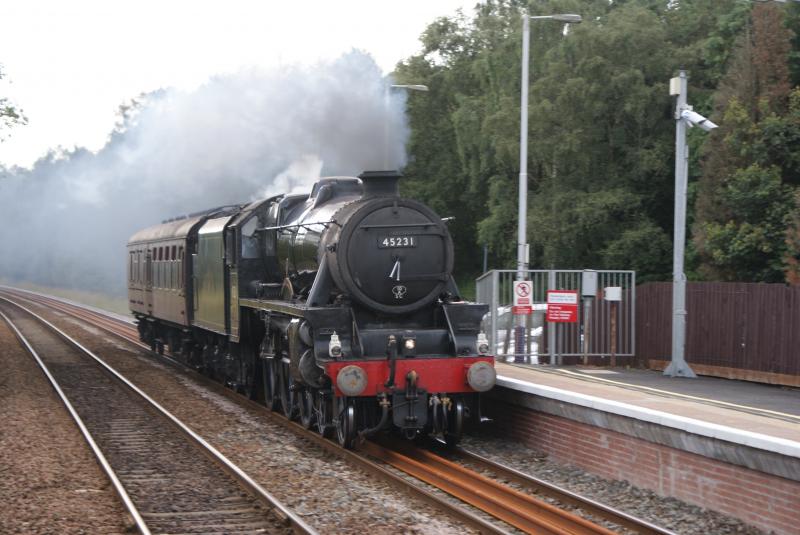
(408, 87)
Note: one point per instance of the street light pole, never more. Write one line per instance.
(522, 256)
(523, 251)
(408, 87)
(522, 243)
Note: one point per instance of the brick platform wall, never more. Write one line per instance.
(768, 502)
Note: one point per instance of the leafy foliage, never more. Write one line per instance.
(750, 244)
(10, 115)
(601, 132)
(751, 167)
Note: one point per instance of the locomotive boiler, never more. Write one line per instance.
(337, 307)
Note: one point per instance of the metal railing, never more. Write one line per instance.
(603, 329)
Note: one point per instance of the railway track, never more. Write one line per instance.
(523, 511)
(514, 507)
(150, 457)
(563, 496)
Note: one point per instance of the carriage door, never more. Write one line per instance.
(231, 255)
(148, 282)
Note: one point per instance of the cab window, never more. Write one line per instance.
(250, 239)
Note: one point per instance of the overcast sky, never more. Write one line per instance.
(69, 65)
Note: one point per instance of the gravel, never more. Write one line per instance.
(324, 490)
(669, 513)
(50, 481)
(332, 496)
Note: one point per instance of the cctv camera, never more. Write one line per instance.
(693, 118)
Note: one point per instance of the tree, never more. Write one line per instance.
(601, 144)
(10, 115)
(792, 256)
(752, 163)
(751, 244)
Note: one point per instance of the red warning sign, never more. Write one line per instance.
(562, 306)
(523, 298)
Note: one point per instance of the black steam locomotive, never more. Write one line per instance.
(339, 307)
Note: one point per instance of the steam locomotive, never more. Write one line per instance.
(338, 308)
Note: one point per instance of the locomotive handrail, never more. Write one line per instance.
(398, 225)
(299, 225)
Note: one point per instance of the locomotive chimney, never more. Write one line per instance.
(380, 183)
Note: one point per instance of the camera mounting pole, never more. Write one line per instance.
(678, 366)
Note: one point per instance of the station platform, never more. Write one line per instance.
(758, 415)
(732, 446)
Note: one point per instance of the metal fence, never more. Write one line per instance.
(562, 343)
(729, 325)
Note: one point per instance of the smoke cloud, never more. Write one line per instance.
(243, 136)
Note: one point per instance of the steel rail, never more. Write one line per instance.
(141, 526)
(523, 511)
(242, 478)
(468, 518)
(565, 496)
(592, 507)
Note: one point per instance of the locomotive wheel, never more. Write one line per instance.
(307, 415)
(269, 380)
(288, 394)
(438, 419)
(455, 426)
(322, 409)
(345, 422)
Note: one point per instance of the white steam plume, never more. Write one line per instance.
(255, 133)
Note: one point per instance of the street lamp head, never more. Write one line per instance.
(568, 17)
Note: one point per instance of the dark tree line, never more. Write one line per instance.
(601, 145)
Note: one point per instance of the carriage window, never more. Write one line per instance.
(180, 267)
(172, 254)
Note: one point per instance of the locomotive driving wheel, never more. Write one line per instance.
(345, 422)
(269, 380)
(455, 423)
(322, 410)
(307, 411)
(288, 392)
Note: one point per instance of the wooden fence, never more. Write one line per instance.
(736, 330)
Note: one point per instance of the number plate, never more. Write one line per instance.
(393, 242)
